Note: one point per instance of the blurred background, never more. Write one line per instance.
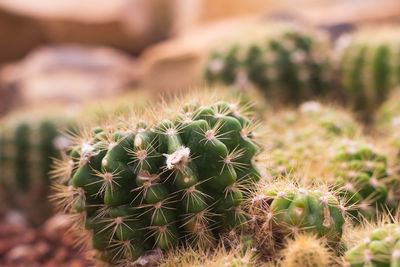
(67, 59)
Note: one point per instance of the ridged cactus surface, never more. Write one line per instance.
(282, 210)
(369, 66)
(364, 178)
(152, 183)
(26, 150)
(381, 248)
(288, 66)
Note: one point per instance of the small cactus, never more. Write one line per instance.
(155, 182)
(26, 152)
(380, 248)
(364, 178)
(290, 67)
(369, 67)
(221, 256)
(306, 250)
(280, 210)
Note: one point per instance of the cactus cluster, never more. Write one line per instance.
(150, 182)
(380, 248)
(280, 210)
(364, 178)
(288, 66)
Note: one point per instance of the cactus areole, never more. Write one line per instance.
(136, 186)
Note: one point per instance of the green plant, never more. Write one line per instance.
(281, 210)
(154, 182)
(306, 250)
(381, 248)
(369, 67)
(288, 66)
(363, 178)
(26, 149)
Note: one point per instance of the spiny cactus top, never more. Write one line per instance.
(280, 210)
(150, 183)
(289, 66)
(381, 248)
(306, 250)
(364, 178)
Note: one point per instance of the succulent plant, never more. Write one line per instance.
(364, 178)
(220, 256)
(380, 248)
(306, 250)
(288, 66)
(26, 152)
(281, 210)
(369, 67)
(153, 183)
(296, 141)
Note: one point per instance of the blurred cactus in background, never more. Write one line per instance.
(289, 65)
(368, 64)
(28, 143)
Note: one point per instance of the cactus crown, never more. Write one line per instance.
(161, 178)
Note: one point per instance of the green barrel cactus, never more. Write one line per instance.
(369, 67)
(280, 210)
(380, 248)
(363, 178)
(289, 66)
(26, 149)
(153, 183)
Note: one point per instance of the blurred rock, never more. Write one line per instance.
(130, 25)
(68, 74)
(178, 63)
(192, 13)
(27, 246)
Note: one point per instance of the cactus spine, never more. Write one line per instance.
(141, 185)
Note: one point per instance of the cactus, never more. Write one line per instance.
(153, 183)
(296, 141)
(364, 179)
(280, 210)
(221, 256)
(380, 248)
(306, 250)
(369, 67)
(26, 152)
(288, 67)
